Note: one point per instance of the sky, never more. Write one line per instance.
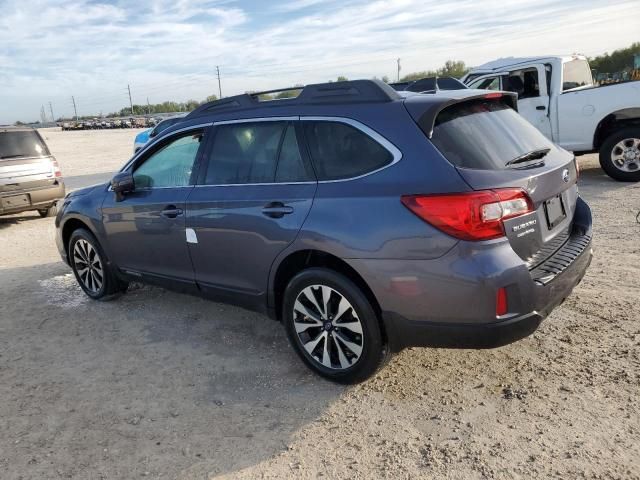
(51, 50)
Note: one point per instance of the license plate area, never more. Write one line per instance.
(16, 201)
(554, 211)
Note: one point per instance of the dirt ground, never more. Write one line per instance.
(162, 385)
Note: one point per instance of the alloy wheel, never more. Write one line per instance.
(328, 327)
(88, 266)
(625, 155)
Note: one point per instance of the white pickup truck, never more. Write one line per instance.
(557, 95)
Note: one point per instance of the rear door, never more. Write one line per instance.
(254, 193)
(492, 146)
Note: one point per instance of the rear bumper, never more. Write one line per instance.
(31, 199)
(451, 301)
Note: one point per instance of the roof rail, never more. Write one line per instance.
(354, 91)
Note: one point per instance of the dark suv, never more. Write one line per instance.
(363, 221)
(30, 178)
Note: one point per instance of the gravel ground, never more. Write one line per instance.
(162, 385)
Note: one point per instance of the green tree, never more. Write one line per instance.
(616, 61)
(211, 98)
(451, 68)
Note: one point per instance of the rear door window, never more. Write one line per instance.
(26, 143)
(485, 134)
(341, 151)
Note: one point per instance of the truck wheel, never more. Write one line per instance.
(620, 155)
(49, 211)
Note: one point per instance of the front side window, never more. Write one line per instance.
(171, 166)
(491, 83)
(340, 151)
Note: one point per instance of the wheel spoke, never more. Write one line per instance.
(299, 307)
(312, 344)
(356, 349)
(308, 293)
(326, 296)
(344, 363)
(326, 358)
(354, 326)
(343, 306)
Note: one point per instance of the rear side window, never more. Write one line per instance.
(14, 144)
(340, 151)
(485, 135)
(576, 73)
(256, 152)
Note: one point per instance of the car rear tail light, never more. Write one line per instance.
(56, 168)
(472, 215)
(501, 302)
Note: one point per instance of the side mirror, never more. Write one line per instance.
(122, 183)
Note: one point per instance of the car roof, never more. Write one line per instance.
(17, 128)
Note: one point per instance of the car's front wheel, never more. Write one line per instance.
(90, 265)
(333, 326)
(620, 155)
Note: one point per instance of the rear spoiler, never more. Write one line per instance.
(426, 112)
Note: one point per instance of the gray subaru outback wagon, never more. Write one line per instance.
(364, 221)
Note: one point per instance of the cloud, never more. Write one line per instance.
(169, 49)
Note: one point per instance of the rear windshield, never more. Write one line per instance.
(485, 135)
(576, 73)
(21, 144)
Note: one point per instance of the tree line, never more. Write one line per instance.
(616, 61)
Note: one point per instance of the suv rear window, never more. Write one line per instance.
(341, 151)
(21, 143)
(485, 135)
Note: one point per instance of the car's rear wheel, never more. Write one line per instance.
(333, 326)
(620, 155)
(92, 270)
(51, 211)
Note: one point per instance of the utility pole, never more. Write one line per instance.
(219, 84)
(43, 115)
(398, 69)
(148, 107)
(74, 107)
(130, 101)
(53, 119)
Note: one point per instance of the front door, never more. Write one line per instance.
(252, 199)
(145, 231)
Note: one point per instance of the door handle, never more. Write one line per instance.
(276, 210)
(541, 107)
(171, 211)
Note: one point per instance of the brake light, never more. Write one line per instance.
(493, 95)
(473, 215)
(56, 168)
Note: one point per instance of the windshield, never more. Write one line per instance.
(486, 135)
(576, 73)
(25, 143)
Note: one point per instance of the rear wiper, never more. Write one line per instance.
(529, 157)
(11, 156)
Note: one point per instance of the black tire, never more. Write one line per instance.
(110, 285)
(607, 149)
(51, 211)
(374, 352)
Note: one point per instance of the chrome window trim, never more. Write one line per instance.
(390, 147)
(256, 184)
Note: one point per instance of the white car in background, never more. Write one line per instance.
(557, 95)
